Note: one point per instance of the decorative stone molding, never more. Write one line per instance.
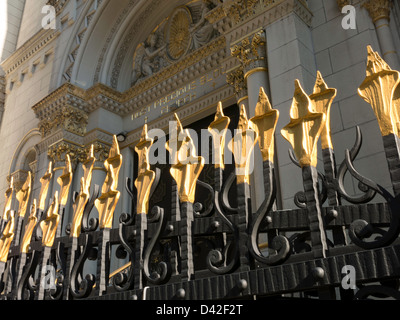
(31, 48)
(2, 95)
(59, 5)
(19, 178)
(378, 9)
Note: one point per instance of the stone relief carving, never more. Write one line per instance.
(185, 31)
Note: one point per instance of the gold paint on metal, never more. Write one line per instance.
(50, 224)
(305, 128)
(146, 176)
(218, 129)
(188, 169)
(8, 194)
(108, 200)
(30, 226)
(65, 181)
(7, 236)
(322, 99)
(176, 140)
(381, 89)
(264, 123)
(84, 194)
(23, 195)
(45, 182)
(242, 146)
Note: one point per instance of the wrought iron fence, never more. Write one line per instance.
(212, 249)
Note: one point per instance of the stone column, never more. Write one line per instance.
(252, 54)
(379, 11)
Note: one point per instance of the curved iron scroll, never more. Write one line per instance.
(122, 281)
(163, 272)
(217, 260)
(300, 197)
(25, 287)
(81, 289)
(369, 193)
(280, 244)
(361, 229)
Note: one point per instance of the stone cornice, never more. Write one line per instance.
(34, 45)
(124, 103)
(247, 16)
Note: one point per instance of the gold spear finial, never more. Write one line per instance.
(50, 224)
(304, 129)
(65, 181)
(264, 123)
(242, 146)
(218, 129)
(146, 176)
(187, 170)
(7, 236)
(30, 226)
(381, 89)
(23, 195)
(8, 194)
(108, 200)
(322, 99)
(45, 182)
(84, 194)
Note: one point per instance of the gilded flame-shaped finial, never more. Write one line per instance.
(264, 123)
(381, 89)
(187, 171)
(7, 236)
(305, 128)
(146, 176)
(30, 226)
(23, 195)
(108, 200)
(218, 129)
(8, 194)
(84, 194)
(50, 224)
(242, 147)
(65, 181)
(45, 182)
(176, 140)
(322, 99)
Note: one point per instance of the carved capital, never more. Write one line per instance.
(67, 118)
(378, 9)
(342, 3)
(59, 151)
(237, 81)
(251, 52)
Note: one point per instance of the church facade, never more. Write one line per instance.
(103, 69)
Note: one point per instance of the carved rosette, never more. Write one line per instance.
(252, 53)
